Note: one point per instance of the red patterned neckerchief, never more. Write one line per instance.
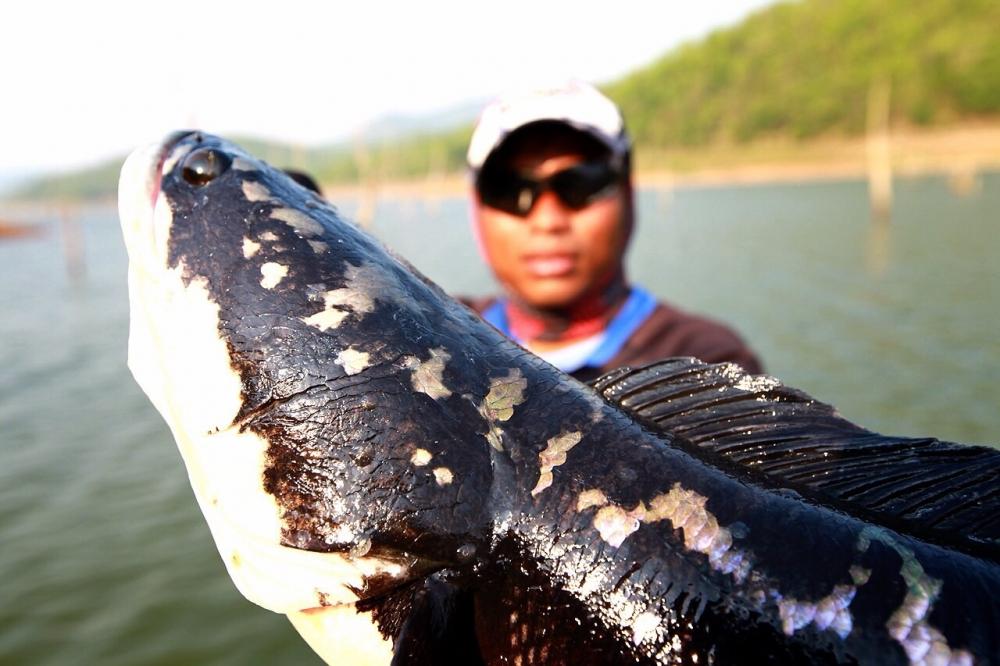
(585, 318)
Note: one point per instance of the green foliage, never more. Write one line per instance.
(795, 69)
(806, 68)
(441, 152)
(93, 183)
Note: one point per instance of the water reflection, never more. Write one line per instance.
(963, 180)
(879, 247)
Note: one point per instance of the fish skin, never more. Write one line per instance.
(635, 552)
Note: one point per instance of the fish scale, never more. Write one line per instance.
(407, 485)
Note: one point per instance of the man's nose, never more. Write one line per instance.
(549, 214)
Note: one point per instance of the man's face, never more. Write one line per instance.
(555, 255)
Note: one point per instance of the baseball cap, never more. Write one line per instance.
(578, 104)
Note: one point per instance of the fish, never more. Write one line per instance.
(410, 487)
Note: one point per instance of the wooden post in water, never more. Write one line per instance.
(879, 151)
(367, 181)
(963, 179)
(72, 242)
(299, 158)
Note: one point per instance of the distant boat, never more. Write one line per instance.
(10, 230)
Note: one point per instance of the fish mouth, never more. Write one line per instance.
(167, 146)
(139, 190)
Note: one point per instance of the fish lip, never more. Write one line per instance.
(166, 147)
(140, 187)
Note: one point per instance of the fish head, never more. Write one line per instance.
(156, 209)
(295, 362)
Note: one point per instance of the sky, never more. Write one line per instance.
(87, 81)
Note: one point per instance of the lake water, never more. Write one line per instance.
(105, 558)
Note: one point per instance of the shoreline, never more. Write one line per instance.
(959, 153)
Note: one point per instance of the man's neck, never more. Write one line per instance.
(547, 329)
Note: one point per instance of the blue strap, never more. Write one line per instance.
(496, 316)
(639, 305)
(637, 308)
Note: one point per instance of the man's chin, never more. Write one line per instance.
(551, 294)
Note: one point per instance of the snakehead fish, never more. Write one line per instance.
(410, 487)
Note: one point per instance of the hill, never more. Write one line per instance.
(807, 68)
(796, 71)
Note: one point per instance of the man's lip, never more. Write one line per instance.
(549, 265)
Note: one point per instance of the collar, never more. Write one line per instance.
(636, 308)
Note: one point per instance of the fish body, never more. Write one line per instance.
(407, 485)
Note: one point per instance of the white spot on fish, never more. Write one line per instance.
(428, 376)
(242, 164)
(795, 615)
(685, 509)
(175, 156)
(909, 625)
(750, 383)
(615, 524)
(338, 303)
(589, 498)
(495, 437)
(299, 221)
(442, 475)
(505, 393)
(860, 575)
(352, 360)
(328, 318)
(644, 627)
(553, 456)
(830, 612)
(319, 247)
(254, 191)
(421, 457)
(361, 548)
(273, 274)
(269, 236)
(340, 534)
(250, 248)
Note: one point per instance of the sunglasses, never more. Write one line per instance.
(577, 187)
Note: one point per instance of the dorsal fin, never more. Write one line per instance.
(939, 491)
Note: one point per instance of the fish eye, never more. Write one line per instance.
(203, 165)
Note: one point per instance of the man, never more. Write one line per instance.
(553, 213)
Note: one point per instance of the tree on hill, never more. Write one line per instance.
(806, 68)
